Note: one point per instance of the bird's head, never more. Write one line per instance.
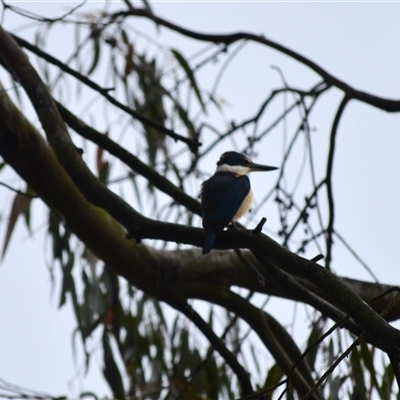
(240, 164)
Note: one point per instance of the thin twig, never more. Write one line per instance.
(379, 102)
(30, 196)
(329, 190)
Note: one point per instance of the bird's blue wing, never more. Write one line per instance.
(222, 195)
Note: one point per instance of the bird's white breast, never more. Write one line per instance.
(245, 206)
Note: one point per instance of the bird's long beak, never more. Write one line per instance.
(260, 167)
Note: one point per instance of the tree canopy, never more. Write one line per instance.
(126, 128)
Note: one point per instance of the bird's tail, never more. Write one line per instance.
(208, 244)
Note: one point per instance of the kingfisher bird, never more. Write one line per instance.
(227, 195)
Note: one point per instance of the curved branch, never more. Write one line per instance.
(328, 180)
(379, 102)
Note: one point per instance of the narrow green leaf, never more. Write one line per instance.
(27, 211)
(110, 370)
(387, 383)
(211, 318)
(18, 207)
(213, 383)
(129, 63)
(367, 357)
(184, 347)
(96, 52)
(147, 5)
(216, 102)
(159, 311)
(124, 37)
(334, 387)
(273, 377)
(189, 73)
(255, 358)
(68, 285)
(131, 325)
(186, 121)
(137, 191)
(54, 231)
(357, 372)
(315, 334)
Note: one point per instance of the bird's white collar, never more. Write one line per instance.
(236, 169)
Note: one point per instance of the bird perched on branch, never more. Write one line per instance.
(227, 195)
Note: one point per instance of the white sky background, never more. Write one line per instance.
(358, 43)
